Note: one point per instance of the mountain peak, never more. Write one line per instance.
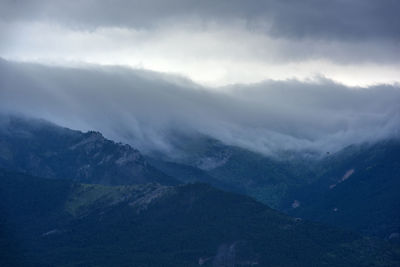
(47, 150)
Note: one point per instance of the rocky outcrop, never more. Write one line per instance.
(46, 150)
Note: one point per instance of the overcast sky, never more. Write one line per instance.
(212, 42)
(265, 75)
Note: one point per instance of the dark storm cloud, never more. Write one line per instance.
(327, 19)
(144, 108)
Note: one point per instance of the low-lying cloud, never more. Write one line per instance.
(145, 108)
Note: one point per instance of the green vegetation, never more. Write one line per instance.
(367, 201)
(75, 222)
(154, 225)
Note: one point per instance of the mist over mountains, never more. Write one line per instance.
(101, 203)
(146, 109)
(200, 133)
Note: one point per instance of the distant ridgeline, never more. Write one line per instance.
(69, 198)
(357, 188)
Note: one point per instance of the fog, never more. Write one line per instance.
(145, 108)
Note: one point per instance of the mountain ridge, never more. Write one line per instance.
(47, 150)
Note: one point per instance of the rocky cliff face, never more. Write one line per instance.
(46, 150)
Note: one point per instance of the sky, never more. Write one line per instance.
(214, 43)
(265, 75)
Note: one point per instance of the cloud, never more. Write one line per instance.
(211, 54)
(145, 108)
(335, 19)
(213, 43)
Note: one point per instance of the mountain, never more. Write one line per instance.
(357, 189)
(237, 169)
(157, 225)
(40, 148)
(189, 174)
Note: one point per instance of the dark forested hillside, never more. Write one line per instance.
(155, 225)
(357, 188)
